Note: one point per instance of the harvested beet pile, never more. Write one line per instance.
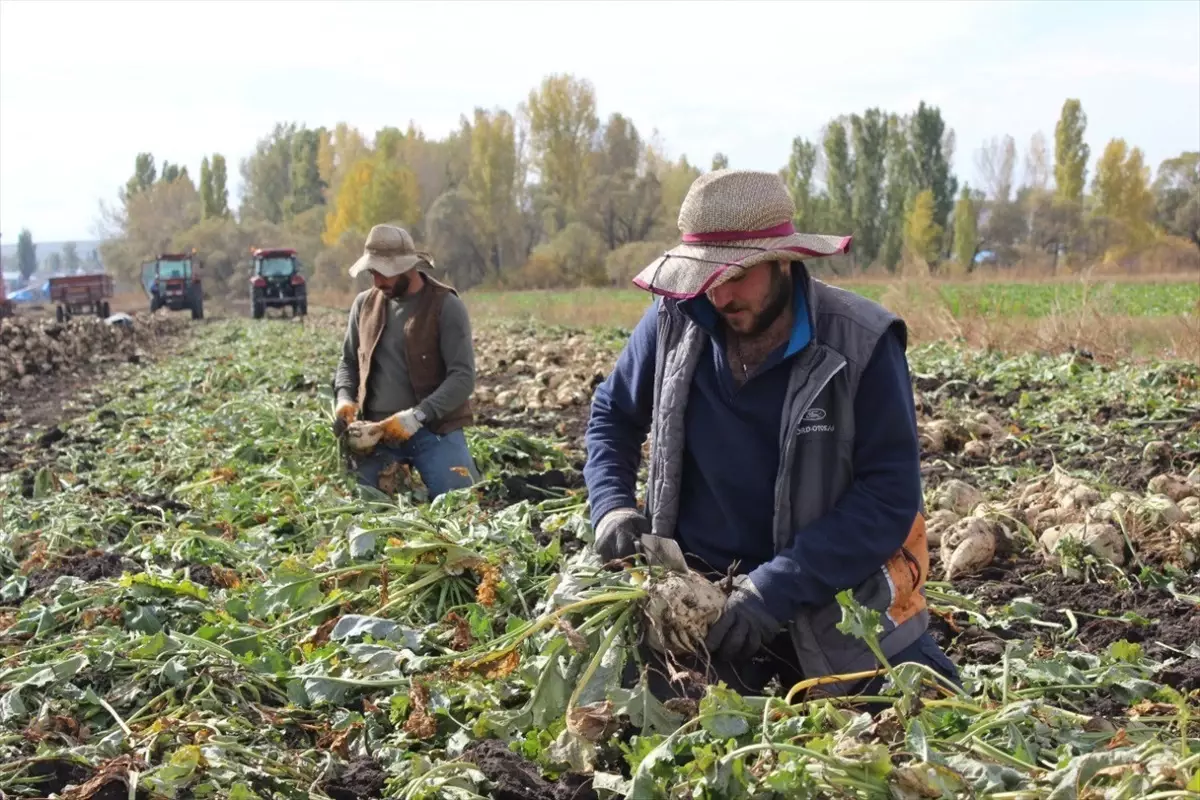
(35, 347)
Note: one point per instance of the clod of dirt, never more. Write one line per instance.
(51, 437)
(145, 505)
(538, 487)
(110, 781)
(28, 482)
(363, 777)
(203, 575)
(680, 609)
(56, 774)
(1185, 677)
(516, 778)
(1106, 707)
(87, 567)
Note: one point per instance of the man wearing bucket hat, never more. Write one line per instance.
(783, 443)
(407, 368)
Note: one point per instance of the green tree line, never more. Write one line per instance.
(551, 195)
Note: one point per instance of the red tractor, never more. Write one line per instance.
(173, 282)
(275, 280)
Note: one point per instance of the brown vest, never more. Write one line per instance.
(426, 369)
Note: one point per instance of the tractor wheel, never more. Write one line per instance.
(258, 309)
(304, 307)
(59, 314)
(105, 311)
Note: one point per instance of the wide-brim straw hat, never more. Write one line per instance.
(390, 251)
(730, 221)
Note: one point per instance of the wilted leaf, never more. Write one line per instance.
(593, 722)
(420, 723)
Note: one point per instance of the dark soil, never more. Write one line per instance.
(88, 567)
(1184, 676)
(52, 436)
(363, 777)
(1115, 459)
(568, 423)
(971, 644)
(517, 778)
(203, 575)
(58, 774)
(1171, 622)
(116, 790)
(140, 504)
(1098, 609)
(540, 486)
(1104, 705)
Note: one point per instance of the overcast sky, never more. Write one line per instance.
(85, 86)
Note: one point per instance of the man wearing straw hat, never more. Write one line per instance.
(783, 443)
(408, 368)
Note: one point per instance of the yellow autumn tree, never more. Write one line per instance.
(1123, 195)
(492, 181)
(347, 213)
(392, 196)
(922, 236)
(374, 191)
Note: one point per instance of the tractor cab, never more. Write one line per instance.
(275, 280)
(172, 281)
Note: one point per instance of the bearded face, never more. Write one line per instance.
(754, 299)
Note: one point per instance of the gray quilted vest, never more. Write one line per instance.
(819, 400)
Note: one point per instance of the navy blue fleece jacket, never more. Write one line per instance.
(732, 455)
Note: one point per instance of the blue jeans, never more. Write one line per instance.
(443, 462)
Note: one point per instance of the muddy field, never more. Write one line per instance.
(195, 600)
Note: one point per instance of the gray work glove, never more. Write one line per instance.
(618, 533)
(744, 626)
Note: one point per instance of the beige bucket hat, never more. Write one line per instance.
(389, 251)
(730, 221)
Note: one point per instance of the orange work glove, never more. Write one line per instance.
(344, 413)
(402, 426)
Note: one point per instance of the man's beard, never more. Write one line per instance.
(777, 302)
(400, 287)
